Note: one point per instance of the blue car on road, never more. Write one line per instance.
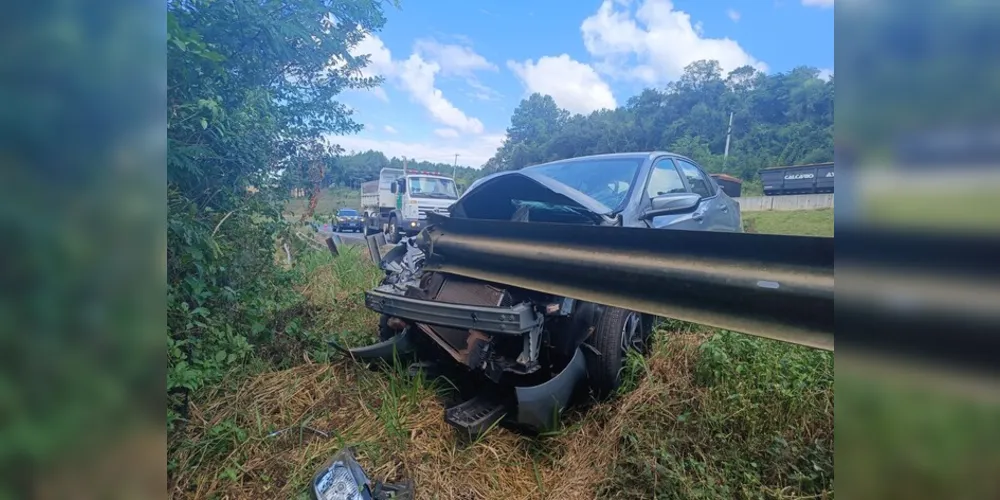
(347, 219)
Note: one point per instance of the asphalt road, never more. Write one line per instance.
(346, 237)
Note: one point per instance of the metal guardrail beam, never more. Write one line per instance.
(773, 286)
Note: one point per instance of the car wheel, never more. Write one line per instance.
(393, 236)
(616, 333)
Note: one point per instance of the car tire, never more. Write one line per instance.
(393, 236)
(617, 331)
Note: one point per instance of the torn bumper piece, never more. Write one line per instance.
(397, 346)
(516, 320)
(538, 407)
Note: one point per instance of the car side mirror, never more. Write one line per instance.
(392, 188)
(675, 203)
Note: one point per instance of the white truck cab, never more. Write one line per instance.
(399, 201)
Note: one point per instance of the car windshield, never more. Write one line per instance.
(432, 187)
(347, 212)
(606, 180)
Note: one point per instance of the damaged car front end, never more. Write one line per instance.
(512, 346)
(524, 354)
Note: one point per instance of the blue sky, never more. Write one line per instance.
(455, 70)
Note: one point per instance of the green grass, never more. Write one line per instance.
(968, 208)
(800, 222)
(731, 417)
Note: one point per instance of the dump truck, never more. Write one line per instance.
(397, 203)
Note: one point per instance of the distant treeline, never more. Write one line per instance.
(353, 169)
(778, 119)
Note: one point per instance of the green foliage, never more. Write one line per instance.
(780, 119)
(758, 423)
(251, 88)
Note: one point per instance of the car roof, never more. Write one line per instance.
(641, 155)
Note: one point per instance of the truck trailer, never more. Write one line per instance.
(798, 179)
(397, 203)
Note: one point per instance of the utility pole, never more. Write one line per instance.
(729, 131)
(404, 165)
(454, 169)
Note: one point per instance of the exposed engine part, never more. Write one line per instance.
(529, 356)
(402, 265)
(476, 293)
(471, 348)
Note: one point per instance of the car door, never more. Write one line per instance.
(728, 206)
(716, 210)
(665, 179)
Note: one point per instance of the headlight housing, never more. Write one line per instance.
(342, 479)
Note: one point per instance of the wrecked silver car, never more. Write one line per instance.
(523, 353)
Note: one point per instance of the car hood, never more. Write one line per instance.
(498, 195)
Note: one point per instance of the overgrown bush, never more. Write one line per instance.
(251, 88)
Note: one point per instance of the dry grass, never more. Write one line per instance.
(658, 439)
(395, 423)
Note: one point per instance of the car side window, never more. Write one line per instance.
(664, 179)
(696, 179)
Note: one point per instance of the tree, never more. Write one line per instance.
(535, 120)
(784, 118)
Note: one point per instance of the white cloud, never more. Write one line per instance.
(379, 57)
(390, 129)
(574, 86)
(474, 151)
(379, 62)
(655, 43)
(447, 133)
(817, 3)
(459, 61)
(416, 76)
(454, 60)
(825, 74)
(482, 92)
(733, 14)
